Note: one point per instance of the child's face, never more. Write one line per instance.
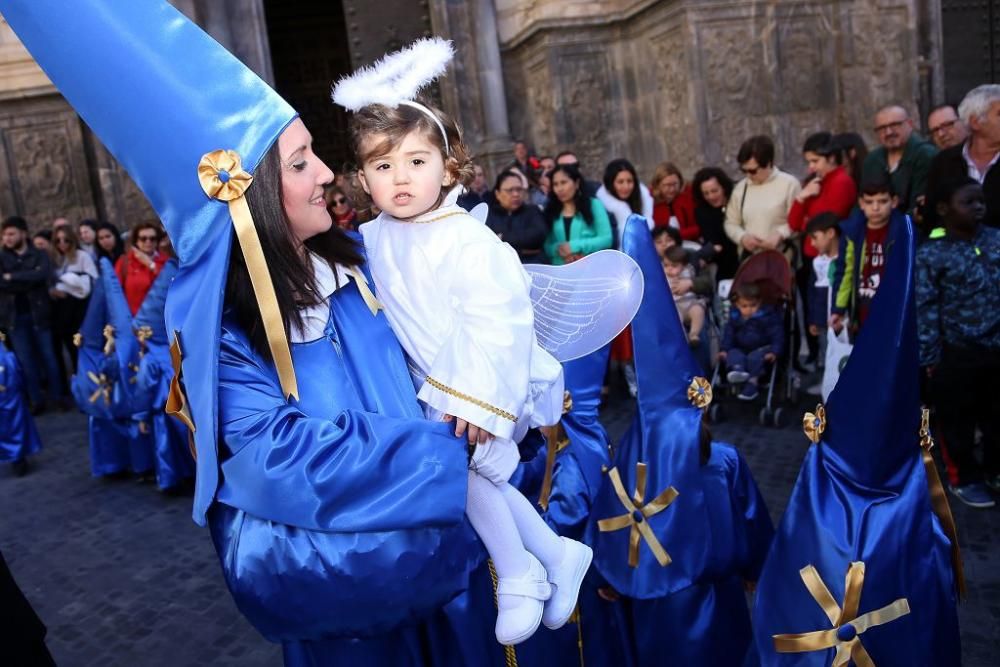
(877, 208)
(662, 243)
(747, 307)
(673, 269)
(824, 240)
(966, 208)
(407, 181)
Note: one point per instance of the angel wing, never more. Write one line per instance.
(581, 307)
(480, 211)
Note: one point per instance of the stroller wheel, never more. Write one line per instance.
(765, 416)
(779, 418)
(715, 413)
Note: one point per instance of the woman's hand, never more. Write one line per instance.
(750, 242)
(475, 434)
(811, 190)
(565, 251)
(144, 258)
(57, 293)
(681, 286)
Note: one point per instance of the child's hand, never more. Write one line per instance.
(836, 322)
(475, 434)
(770, 356)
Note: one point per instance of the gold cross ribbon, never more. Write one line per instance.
(104, 386)
(366, 292)
(814, 424)
(109, 340)
(847, 625)
(637, 514)
(143, 334)
(222, 177)
(939, 501)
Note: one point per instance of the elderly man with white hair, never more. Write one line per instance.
(976, 157)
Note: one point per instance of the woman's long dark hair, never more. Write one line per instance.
(119, 248)
(611, 172)
(291, 270)
(553, 207)
(703, 176)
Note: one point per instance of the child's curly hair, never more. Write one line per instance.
(396, 124)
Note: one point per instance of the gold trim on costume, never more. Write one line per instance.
(509, 653)
(439, 217)
(637, 513)
(847, 643)
(556, 441)
(109, 339)
(475, 401)
(700, 392)
(177, 404)
(366, 291)
(222, 177)
(813, 424)
(939, 501)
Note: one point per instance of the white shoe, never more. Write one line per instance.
(815, 390)
(566, 580)
(737, 377)
(516, 624)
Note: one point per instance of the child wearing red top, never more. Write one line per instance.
(832, 190)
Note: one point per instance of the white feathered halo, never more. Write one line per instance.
(397, 77)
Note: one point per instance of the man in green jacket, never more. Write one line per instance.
(903, 154)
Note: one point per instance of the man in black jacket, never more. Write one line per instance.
(978, 157)
(25, 311)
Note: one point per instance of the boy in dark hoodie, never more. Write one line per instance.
(753, 339)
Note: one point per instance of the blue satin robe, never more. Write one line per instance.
(708, 623)
(339, 522)
(111, 444)
(165, 437)
(18, 435)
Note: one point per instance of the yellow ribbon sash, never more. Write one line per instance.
(637, 513)
(366, 292)
(847, 625)
(509, 652)
(222, 177)
(177, 404)
(939, 501)
(556, 441)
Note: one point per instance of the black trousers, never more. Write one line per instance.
(966, 395)
(22, 634)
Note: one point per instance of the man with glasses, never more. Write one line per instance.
(903, 155)
(945, 127)
(26, 312)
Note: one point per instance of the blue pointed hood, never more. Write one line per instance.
(664, 437)
(119, 316)
(92, 327)
(151, 312)
(861, 505)
(162, 96)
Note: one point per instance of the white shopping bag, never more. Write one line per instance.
(838, 350)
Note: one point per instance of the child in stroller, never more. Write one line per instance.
(752, 340)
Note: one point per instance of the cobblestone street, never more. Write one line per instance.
(122, 576)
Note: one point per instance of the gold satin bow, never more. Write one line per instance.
(637, 514)
(366, 292)
(222, 177)
(177, 404)
(700, 392)
(104, 386)
(78, 339)
(814, 424)
(109, 340)
(939, 500)
(850, 648)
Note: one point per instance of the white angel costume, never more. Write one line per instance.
(457, 298)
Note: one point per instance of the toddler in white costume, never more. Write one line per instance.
(457, 298)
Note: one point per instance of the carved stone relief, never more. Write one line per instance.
(670, 80)
(585, 114)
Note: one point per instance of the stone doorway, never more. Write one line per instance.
(971, 45)
(309, 51)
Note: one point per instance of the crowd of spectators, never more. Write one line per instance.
(835, 224)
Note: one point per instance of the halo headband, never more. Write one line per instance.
(433, 116)
(397, 78)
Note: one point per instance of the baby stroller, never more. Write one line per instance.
(771, 272)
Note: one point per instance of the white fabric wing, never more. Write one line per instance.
(581, 307)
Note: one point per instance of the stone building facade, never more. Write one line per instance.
(684, 80)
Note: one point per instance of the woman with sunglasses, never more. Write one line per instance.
(138, 268)
(757, 214)
(74, 273)
(344, 215)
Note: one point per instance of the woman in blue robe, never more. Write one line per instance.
(18, 435)
(337, 511)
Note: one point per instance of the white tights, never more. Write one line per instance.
(510, 527)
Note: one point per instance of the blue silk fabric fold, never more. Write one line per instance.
(18, 435)
(341, 515)
(862, 495)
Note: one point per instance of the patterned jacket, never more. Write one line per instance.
(958, 293)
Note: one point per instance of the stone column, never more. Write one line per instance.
(495, 150)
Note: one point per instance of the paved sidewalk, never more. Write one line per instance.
(122, 576)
